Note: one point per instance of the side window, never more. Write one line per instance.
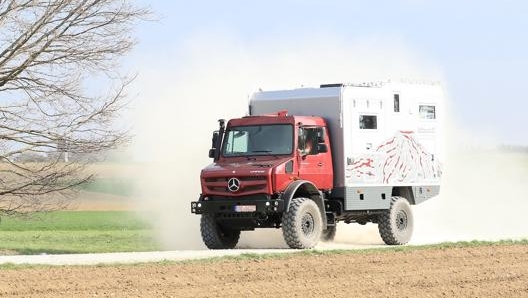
(427, 112)
(307, 140)
(368, 122)
(396, 103)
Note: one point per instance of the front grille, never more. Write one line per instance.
(249, 184)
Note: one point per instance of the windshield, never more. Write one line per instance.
(273, 139)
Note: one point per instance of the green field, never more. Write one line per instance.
(76, 232)
(113, 185)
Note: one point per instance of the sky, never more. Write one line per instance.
(477, 49)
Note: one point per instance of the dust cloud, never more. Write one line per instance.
(482, 196)
(185, 89)
(483, 193)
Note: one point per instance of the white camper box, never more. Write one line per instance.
(382, 135)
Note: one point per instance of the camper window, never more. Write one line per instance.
(427, 112)
(396, 103)
(368, 122)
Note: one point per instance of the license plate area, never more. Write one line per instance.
(245, 208)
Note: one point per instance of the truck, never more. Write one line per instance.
(304, 159)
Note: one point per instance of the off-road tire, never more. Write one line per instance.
(302, 224)
(215, 236)
(328, 235)
(396, 224)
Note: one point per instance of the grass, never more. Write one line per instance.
(307, 253)
(382, 249)
(112, 185)
(123, 231)
(76, 232)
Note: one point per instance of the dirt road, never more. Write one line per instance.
(486, 271)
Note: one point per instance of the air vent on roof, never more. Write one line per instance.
(331, 85)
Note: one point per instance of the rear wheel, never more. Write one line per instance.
(215, 236)
(302, 224)
(396, 224)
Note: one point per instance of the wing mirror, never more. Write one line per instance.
(322, 148)
(212, 153)
(214, 141)
(320, 135)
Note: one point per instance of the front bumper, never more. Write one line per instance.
(234, 206)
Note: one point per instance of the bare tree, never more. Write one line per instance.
(52, 54)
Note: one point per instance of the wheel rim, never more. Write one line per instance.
(401, 220)
(307, 224)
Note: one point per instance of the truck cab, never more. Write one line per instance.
(257, 159)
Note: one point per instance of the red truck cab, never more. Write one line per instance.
(260, 162)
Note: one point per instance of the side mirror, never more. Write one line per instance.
(212, 153)
(322, 148)
(214, 139)
(320, 135)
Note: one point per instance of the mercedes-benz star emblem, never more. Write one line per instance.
(233, 184)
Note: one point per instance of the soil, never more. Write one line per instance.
(484, 271)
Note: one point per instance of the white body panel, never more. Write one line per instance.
(404, 147)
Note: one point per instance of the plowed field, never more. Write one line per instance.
(481, 271)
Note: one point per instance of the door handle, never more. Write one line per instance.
(320, 164)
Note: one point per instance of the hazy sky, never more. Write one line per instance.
(479, 49)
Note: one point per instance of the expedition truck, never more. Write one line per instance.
(305, 159)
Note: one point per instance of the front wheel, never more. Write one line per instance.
(215, 236)
(302, 224)
(396, 224)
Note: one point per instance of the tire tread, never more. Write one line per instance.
(385, 228)
(291, 235)
(212, 235)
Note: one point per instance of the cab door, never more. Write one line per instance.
(315, 162)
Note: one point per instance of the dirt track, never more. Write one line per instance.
(487, 271)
